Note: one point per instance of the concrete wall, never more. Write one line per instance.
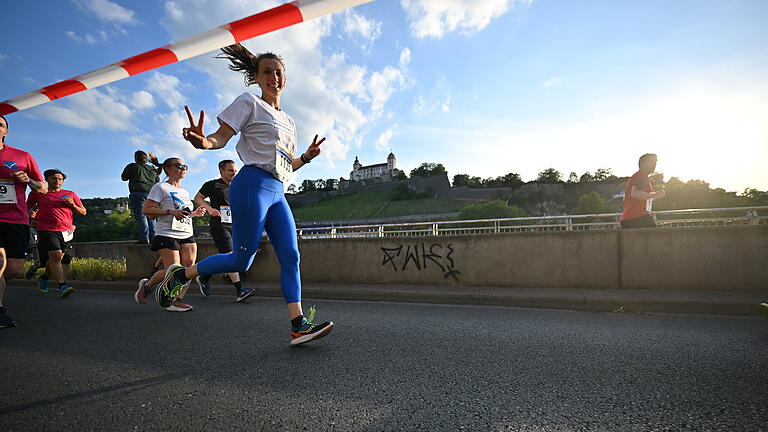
(723, 259)
(733, 258)
(111, 250)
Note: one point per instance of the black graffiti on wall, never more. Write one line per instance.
(421, 258)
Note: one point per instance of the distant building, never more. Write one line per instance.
(380, 172)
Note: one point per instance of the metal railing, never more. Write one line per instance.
(602, 221)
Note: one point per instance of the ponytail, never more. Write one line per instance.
(242, 60)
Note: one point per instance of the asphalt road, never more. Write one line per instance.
(98, 361)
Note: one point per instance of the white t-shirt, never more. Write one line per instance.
(267, 136)
(171, 198)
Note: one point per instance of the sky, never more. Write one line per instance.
(485, 87)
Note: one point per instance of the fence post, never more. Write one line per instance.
(333, 233)
(752, 216)
(569, 223)
(381, 230)
(435, 231)
(496, 228)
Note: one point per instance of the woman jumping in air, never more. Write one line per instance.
(267, 147)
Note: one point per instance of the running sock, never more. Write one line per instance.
(237, 285)
(62, 284)
(297, 322)
(205, 278)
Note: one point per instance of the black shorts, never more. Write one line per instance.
(644, 221)
(51, 241)
(222, 237)
(164, 242)
(14, 238)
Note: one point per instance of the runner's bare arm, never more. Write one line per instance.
(36, 186)
(201, 202)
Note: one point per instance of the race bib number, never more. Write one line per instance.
(7, 192)
(649, 205)
(184, 225)
(68, 235)
(226, 214)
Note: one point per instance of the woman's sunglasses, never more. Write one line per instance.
(180, 166)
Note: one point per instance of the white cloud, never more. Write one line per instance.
(108, 11)
(551, 82)
(326, 94)
(358, 25)
(382, 142)
(167, 88)
(384, 83)
(88, 110)
(434, 18)
(142, 100)
(87, 38)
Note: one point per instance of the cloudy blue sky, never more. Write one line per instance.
(485, 87)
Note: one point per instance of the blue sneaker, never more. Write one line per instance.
(65, 290)
(42, 284)
(244, 293)
(308, 330)
(204, 282)
(170, 287)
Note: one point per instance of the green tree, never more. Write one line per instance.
(427, 169)
(604, 174)
(460, 180)
(292, 188)
(573, 178)
(331, 184)
(307, 186)
(591, 203)
(550, 175)
(399, 175)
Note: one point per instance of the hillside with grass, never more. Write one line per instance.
(375, 205)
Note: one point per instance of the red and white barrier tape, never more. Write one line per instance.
(255, 25)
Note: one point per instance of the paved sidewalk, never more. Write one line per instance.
(694, 302)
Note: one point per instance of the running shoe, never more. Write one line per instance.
(30, 274)
(5, 320)
(141, 294)
(244, 293)
(170, 286)
(763, 308)
(42, 284)
(179, 306)
(308, 330)
(204, 283)
(65, 290)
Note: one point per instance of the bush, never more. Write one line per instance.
(496, 209)
(91, 269)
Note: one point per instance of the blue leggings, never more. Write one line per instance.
(258, 203)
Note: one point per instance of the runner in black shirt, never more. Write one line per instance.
(217, 191)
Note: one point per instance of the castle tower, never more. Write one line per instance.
(391, 162)
(354, 175)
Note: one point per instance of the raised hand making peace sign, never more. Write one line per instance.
(313, 151)
(194, 133)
